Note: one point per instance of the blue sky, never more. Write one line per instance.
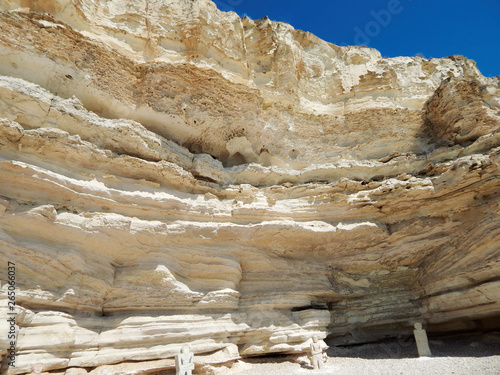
(433, 28)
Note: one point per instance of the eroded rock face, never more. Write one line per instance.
(173, 174)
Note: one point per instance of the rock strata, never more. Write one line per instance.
(171, 174)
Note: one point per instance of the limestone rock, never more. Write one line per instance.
(171, 174)
(460, 111)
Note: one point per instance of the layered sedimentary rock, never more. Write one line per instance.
(174, 174)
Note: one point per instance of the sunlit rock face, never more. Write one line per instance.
(174, 174)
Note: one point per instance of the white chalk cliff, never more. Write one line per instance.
(172, 174)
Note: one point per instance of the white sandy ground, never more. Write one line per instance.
(466, 356)
(359, 366)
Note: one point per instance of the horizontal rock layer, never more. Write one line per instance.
(173, 174)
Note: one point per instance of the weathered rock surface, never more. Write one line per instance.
(173, 174)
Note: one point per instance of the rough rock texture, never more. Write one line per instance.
(173, 174)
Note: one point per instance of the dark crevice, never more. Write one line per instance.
(312, 306)
(205, 179)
